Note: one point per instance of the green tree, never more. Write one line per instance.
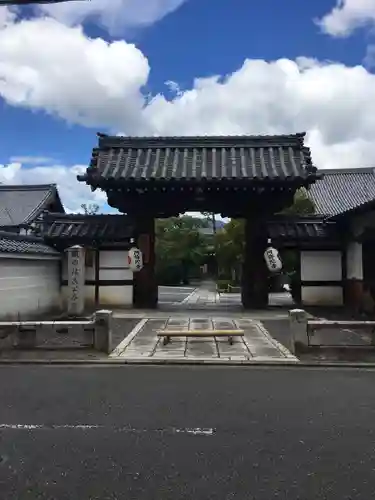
(229, 246)
(90, 208)
(180, 249)
(302, 205)
(230, 241)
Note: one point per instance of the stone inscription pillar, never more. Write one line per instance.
(145, 293)
(254, 272)
(76, 280)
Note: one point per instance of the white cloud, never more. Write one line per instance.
(347, 16)
(45, 65)
(7, 16)
(32, 160)
(114, 15)
(335, 104)
(72, 192)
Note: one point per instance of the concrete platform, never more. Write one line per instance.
(256, 344)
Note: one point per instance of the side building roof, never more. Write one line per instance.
(22, 204)
(343, 191)
(11, 243)
(304, 229)
(68, 229)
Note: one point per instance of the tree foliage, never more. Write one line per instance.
(90, 208)
(180, 248)
(302, 205)
(230, 241)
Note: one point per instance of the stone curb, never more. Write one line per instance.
(175, 362)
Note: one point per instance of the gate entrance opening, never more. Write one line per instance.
(248, 177)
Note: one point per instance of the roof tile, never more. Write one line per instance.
(301, 229)
(80, 227)
(343, 190)
(15, 243)
(195, 158)
(20, 204)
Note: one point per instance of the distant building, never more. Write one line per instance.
(21, 205)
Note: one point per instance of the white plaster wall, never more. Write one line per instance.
(322, 265)
(322, 295)
(113, 295)
(116, 295)
(113, 258)
(28, 286)
(115, 274)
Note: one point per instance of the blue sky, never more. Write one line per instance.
(41, 124)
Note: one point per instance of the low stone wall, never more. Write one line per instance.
(333, 334)
(95, 333)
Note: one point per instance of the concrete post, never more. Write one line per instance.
(76, 280)
(298, 329)
(103, 331)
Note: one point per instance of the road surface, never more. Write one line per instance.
(174, 294)
(186, 433)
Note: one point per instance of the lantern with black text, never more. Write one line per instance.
(135, 259)
(272, 258)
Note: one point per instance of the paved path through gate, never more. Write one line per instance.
(256, 344)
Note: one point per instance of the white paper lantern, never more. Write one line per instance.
(273, 261)
(135, 259)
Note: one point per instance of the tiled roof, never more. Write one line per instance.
(195, 158)
(301, 229)
(343, 190)
(22, 204)
(16, 243)
(80, 227)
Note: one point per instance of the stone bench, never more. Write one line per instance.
(167, 335)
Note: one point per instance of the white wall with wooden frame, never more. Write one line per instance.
(108, 279)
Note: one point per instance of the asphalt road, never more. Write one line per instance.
(186, 433)
(173, 294)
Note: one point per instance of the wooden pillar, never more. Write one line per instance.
(145, 294)
(254, 273)
(97, 276)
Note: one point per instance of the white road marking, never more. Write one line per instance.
(33, 427)
(117, 351)
(196, 432)
(193, 431)
(186, 299)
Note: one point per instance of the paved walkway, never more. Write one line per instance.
(206, 297)
(256, 345)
